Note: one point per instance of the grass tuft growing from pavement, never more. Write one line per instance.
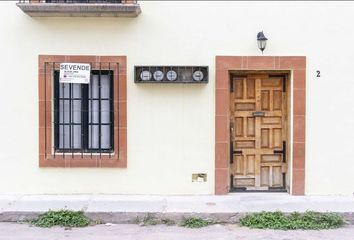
(193, 222)
(168, 222)
(150, 220)
(305, 221)
(63, 218)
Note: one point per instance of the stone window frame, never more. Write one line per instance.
(297, 66)
(118, 159)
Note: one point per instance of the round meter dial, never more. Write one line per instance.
(145, 75)
(171, 75)
(158, 75)
(198, 76)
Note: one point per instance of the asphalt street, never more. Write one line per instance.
(11, 231)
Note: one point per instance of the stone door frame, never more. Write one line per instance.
(296, 65)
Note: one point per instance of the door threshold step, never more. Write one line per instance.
(253, 190)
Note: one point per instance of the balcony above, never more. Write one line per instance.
(80, 8)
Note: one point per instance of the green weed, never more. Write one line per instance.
(168, 222)
(193, 222)
(279, 220)
(63, 218)
(150, 220)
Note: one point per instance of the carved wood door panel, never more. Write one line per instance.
(258, 132)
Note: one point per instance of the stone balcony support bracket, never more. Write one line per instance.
(80, 9)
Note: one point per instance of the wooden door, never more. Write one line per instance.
(258, 132)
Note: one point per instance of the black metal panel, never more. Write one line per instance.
(184, 74)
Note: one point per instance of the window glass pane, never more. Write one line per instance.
(69, 139)
(105, 111)
(93, 87)
(76, 111)
(76, 90)
(93, 111)
(94, 136)
(64, 136)
(105, 82)
(76, 136)
(64, 90)
(64, 111)
(105, 136)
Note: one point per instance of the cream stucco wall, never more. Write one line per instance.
(171, 127)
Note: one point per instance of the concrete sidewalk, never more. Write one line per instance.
(123, 208)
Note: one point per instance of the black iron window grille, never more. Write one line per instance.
(82, 125)
(84, 114)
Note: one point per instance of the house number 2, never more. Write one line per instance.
(318, 73)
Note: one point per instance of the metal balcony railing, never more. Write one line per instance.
(80, 1)
(80, 8)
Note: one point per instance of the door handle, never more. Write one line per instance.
(283, 151)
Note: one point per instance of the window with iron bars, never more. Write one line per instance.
(84, 114)
(83, 125)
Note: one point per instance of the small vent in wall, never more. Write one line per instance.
(199, 177)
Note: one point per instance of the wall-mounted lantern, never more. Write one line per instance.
(262, 41)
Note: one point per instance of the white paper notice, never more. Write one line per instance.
(75, 73)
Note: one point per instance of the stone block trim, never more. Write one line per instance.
(297, 66)
(46, 156)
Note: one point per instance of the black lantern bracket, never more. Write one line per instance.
(262, 41)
